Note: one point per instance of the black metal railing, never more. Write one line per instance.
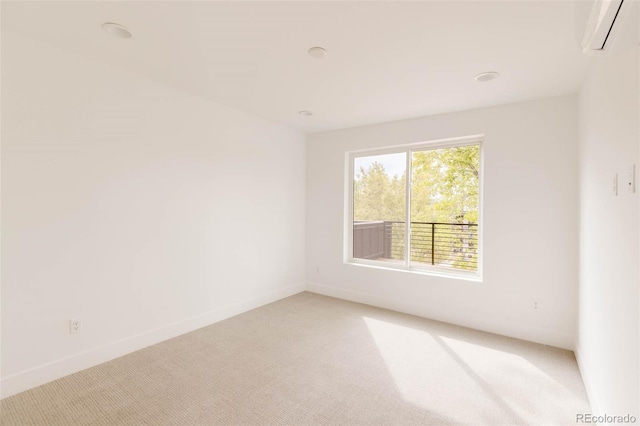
(450, 245)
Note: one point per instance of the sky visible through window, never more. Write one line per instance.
(394, 164)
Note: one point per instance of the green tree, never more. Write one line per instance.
(444, 185)
(377, 196)
(444, 189)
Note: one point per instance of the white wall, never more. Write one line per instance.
(142, 210)
(530, 226)
(607, 345)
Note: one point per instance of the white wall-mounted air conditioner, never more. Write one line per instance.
(605, 14)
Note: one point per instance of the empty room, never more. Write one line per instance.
(320, 212)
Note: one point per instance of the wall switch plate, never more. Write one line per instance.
(75, 326)
(631, 179)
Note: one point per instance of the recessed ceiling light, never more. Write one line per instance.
(317, 52)
(116, 30)
(486, 76)
(305, 113)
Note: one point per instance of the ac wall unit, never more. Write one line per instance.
(603, 17)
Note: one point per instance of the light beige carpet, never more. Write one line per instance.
(315, 360)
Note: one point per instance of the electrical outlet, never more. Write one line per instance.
(631, 179)
(75, 326)
(535, 305)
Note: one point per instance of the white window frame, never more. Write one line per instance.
(409, 149)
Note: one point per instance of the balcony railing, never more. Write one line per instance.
(444, 245)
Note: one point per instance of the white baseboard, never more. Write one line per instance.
(532, 334)
(588, 383)
(42, 374)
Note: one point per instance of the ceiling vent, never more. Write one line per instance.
(605, 14)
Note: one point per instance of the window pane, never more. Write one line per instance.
(444, 208)
(379, 206)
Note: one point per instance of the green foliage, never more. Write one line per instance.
(444, 189)
(378, 196)
(444, 185)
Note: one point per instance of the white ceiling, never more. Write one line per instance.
(386, 60)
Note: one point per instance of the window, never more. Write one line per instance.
(417, 207)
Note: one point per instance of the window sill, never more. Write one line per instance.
(462, 276)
